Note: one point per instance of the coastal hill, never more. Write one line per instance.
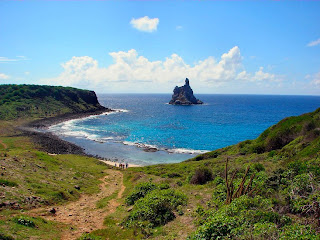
(17, 101)
(267, 188)
(184, 95)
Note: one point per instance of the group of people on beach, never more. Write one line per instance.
(122, 165)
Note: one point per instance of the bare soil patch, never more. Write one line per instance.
(83, 216)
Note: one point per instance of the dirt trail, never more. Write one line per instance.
(3, 144)
(83, 214)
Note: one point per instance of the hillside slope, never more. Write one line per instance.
(36, 101)
(270, 188)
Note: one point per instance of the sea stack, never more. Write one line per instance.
(184, 95)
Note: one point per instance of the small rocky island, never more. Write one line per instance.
(184, 95)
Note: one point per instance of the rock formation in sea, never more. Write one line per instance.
(184, 95)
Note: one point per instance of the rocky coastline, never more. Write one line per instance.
(51, 143)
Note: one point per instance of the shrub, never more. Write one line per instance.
(89, 236)
(298, 167)
(297, 231)
(140, 191)
(257, 148)
(272, 153)
(201, 176)
(235, 219)
(258, 167)
(199, 157)
(173, 175)
(301, 185)
(179, 210)
(25, 221)
(156, 208)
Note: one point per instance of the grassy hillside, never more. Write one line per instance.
(269, 190)
(31, 179)
(33, 101)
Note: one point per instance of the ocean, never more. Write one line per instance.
(146, 130)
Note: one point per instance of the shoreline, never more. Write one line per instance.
(47, 122)
(53, 145)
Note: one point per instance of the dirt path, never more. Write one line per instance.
(83, 214)
(3, 144)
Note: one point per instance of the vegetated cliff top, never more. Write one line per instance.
(18, 101)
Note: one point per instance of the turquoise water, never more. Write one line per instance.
(146, 121)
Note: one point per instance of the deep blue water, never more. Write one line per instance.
(178, 130)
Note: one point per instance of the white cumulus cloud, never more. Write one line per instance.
(145, 24)
(3, 76)
(258, 76)
(314, 43)
(129, 71)
(315, 79)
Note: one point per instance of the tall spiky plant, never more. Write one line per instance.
(241, 190)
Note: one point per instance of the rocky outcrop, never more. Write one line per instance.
(184, 95)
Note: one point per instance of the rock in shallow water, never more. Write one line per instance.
(184, 95)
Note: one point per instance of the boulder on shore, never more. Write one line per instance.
(184, 95)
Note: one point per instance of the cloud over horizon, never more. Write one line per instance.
(258, 76)
(145, 24)
(316, 80)
(129, 69)
(3, 76)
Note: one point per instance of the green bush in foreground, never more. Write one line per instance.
(142, 190)
(156, 208)
(249, 218)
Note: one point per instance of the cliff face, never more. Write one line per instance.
(184, 95)
(36, 101)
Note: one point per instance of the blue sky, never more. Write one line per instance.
(265, 47)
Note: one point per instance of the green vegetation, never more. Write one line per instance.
(22, 226)
(103, 202)
(267, 188)
(154, 207)
(34, 101)
(89, 236)
(34, 179)
(25, 221)
(33, 173)
(142, 189)
(8, 183)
